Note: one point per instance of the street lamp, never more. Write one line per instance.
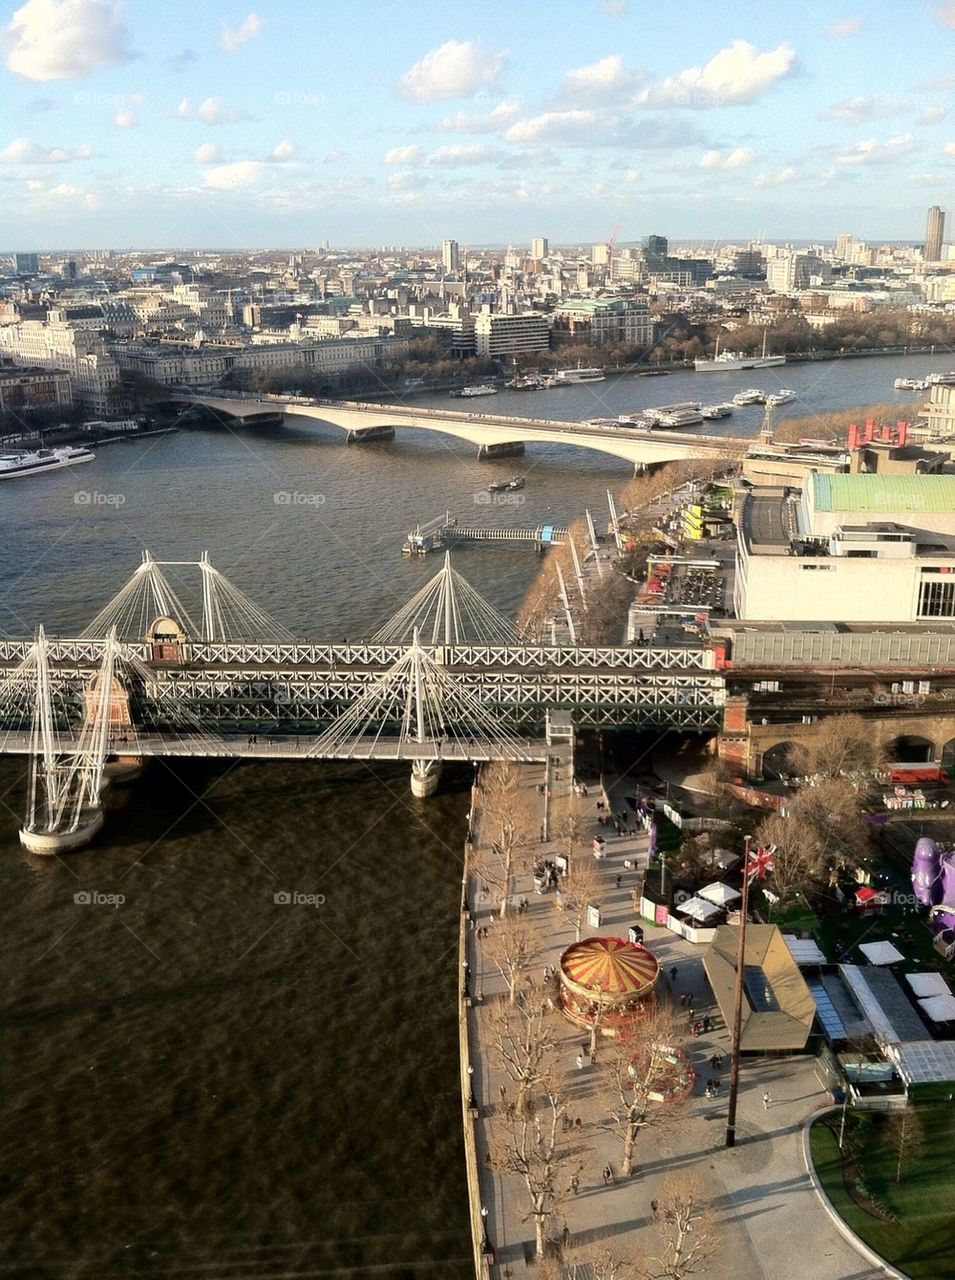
(738, 1003)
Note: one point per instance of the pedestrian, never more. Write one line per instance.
(577, 1125)
(654, 1207)
(503, 1092)
(766, 1101)
(593, 1057)
(489, 1163)
(608, 1176)
(575, 1184)
(619, 878)
(565, 1236)
(580, 1061)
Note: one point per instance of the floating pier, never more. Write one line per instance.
(444, 531)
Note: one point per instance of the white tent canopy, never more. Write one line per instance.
(881, 952)
(928, 984)
(939, 1008)
(698, 908)
(721, 894)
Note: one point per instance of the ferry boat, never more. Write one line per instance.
(499, 486)
(517, 482)
(485, 389)
(525, 382)
(679, 418)
(727, 361)
(570, 377)
(31, 464)
(710, 412)
(910, 384)
(752, 395)
(783, 396)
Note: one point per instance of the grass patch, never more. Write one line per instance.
(916, 1229)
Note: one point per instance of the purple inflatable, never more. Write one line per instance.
(926, 877)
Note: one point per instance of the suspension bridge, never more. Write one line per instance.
(446, 679)
(494, 434)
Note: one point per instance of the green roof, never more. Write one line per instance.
(877, 494)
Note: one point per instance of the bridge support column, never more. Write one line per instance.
(425, 776)
(362, 435)
(506, 450)
(50, 843)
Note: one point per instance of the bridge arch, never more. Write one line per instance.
(913, 747)
(783, 759)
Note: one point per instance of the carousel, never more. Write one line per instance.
(608, 982)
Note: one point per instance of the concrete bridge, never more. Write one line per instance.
(494, 434)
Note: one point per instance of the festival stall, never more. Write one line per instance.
(607, 981)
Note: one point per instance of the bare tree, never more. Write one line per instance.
(528, 1143)
(686, 1227)
(500, 785)
(843, 745)
(907, 1137)
(824, 830)
(632, 1073)
(579, 890)
(523, 1038)
(513, 947)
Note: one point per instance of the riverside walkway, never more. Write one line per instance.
(772, 1222)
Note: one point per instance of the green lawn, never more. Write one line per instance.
(921, 1242)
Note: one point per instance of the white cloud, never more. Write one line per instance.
(777, 179)
(873, 152)
(950, 149)
(209, 111)
(737, 74)
(26, 151)
(604, 83)
(736, 159)
(615, 8)
(65, 39)
(946, 14)
(473, 153)
(859, 110)
(125, 119)
(563, 128)
(336, 154)
(456, 69)
(844, 29)
(238, 176)
(285, 150)
(208, 153)
(403, 155)
(491, 122)
(232, 37)
(932, 115)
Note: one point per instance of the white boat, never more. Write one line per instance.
(570, 377)
(752, 395)
(32, 464)
(710, 412)
(783, 396)
(910, 384)
(680, 418)
(485, 389)
(727, 361)
(941, 379)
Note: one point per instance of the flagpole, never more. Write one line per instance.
(738, 1003)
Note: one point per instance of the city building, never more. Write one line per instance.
(848, 549)
(80, 352)
(599, 321)
(25, 389)
(450, 257)
(26, 264)
(934, 234)
(539, 248)
(497, 335)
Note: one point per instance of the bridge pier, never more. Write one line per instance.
(51, 843)
(363, 435)
(425, 776)
(514, 449)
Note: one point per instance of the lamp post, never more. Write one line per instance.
(738, 1003)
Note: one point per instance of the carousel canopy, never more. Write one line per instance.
(610, 966)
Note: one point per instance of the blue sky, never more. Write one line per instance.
(162, 123)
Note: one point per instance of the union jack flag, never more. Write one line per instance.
(760, 863)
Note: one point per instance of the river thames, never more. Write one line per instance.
(200, 1080)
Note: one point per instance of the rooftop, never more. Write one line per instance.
(880, 493)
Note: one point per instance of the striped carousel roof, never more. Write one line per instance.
(610, 965)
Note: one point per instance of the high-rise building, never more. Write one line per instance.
(26, 264)
(656, 246)
(934, 234)
(450, 257)
(539, 248)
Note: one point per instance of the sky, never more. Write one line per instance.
(208, 123)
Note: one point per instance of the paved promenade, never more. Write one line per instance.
(772, 1223)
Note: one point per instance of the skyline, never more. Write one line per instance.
(483, 126)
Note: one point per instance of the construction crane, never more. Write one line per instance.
(612, 241)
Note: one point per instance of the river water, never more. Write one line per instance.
(199, 1080)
